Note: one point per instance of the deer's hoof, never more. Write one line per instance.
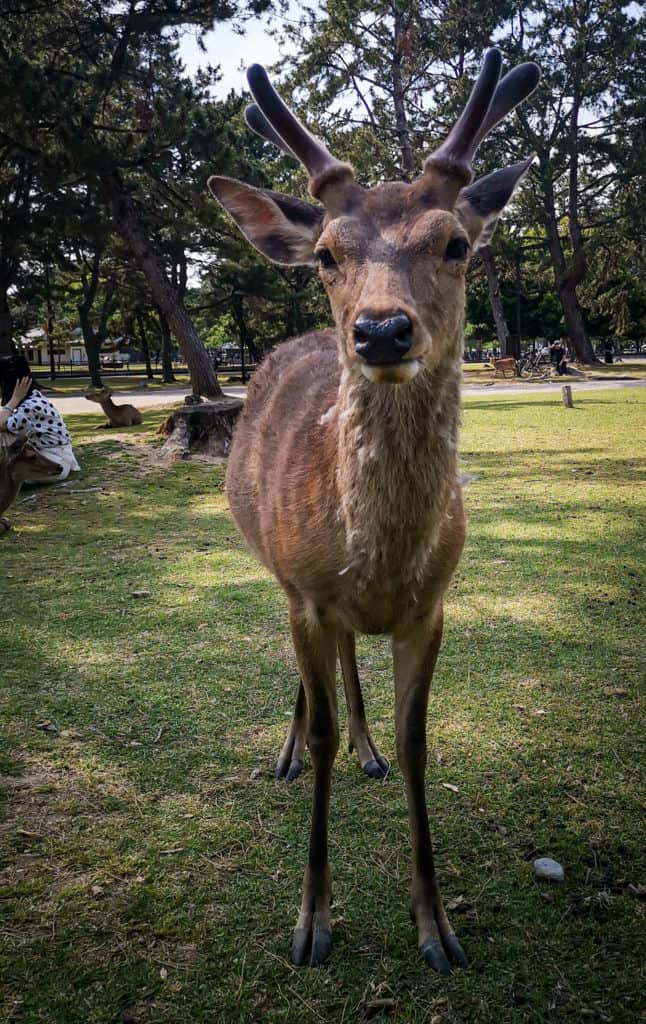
(439, 954)
(288, 768)
(433, 953)
(310, 948)
(377, 768)
(455, 951)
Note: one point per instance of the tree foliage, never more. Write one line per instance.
(106, 143)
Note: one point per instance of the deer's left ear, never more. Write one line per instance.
(281, 227)
(479, 206)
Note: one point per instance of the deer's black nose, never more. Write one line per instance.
(383, 341)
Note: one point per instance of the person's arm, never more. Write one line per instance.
(20, 392)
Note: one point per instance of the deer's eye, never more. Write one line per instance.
(326, 259)
(456, 249)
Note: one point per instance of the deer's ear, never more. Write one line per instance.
(479, 205)
(283, 228)
(18, 443)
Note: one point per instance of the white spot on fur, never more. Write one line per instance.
(329, 415)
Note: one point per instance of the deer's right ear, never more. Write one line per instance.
(281, 227)
(18, 443)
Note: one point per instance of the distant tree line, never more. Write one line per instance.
(106, 143)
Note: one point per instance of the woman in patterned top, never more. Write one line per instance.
(25, 408)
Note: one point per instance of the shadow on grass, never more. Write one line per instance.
(170, 712)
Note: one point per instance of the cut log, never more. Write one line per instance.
(566, 396)
(206, 428)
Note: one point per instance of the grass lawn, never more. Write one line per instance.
(150, 865)
(68, 385)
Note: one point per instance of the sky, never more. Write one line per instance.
(232, 52)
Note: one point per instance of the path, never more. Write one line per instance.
(75, 404)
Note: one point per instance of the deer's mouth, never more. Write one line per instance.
(397, 372)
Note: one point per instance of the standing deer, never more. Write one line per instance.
(343, 476)
(118, 415)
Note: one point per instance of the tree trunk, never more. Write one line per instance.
(507, 347)
(399, 101)
(144, 346)
(7, 346)
(128, 224)
(566, 279)
(92, 349)
(244, 333)
(50, 321)
(168, 377)
(206, 428)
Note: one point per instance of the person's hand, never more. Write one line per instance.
(20, 391)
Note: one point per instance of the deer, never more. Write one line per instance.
(20, 461)
(118, 415)
(342, 476)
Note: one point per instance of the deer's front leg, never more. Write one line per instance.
(315, 646)
(415, 653)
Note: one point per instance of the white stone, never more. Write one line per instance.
(550, 869)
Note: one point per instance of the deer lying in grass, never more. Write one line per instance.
(19, 461)
(343, 472)
(118, 415)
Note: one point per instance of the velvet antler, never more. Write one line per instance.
(279, 125)
(489, 102)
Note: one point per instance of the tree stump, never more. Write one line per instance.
(566, 396)
(206, 427)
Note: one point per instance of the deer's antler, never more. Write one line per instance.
(489, 102)
(272, 119)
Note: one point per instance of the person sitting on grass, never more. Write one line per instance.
(558, 357)
(25, 408)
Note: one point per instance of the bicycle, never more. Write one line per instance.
(533, 367)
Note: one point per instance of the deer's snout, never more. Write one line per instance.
(383, 341)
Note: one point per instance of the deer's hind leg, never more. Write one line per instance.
(290, 761)
(372, 762)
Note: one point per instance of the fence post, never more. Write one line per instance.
(566, 396)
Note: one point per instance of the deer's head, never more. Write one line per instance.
(24, 462)
(100, 395)
(392, 258)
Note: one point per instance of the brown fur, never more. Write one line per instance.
(118, 415)
(20, 461)
(343, 470)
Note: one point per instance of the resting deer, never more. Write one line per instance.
(20, 461)
(118, 415)
(343, 475)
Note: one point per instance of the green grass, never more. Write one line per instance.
(64, 384)
(150, 865)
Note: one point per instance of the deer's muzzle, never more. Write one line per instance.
(380, 342)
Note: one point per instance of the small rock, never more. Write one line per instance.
(46, 726)
(545, 867)
(141, 593)
(255, 773)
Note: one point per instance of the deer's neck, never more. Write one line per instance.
(107, 405)
(396, 468)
